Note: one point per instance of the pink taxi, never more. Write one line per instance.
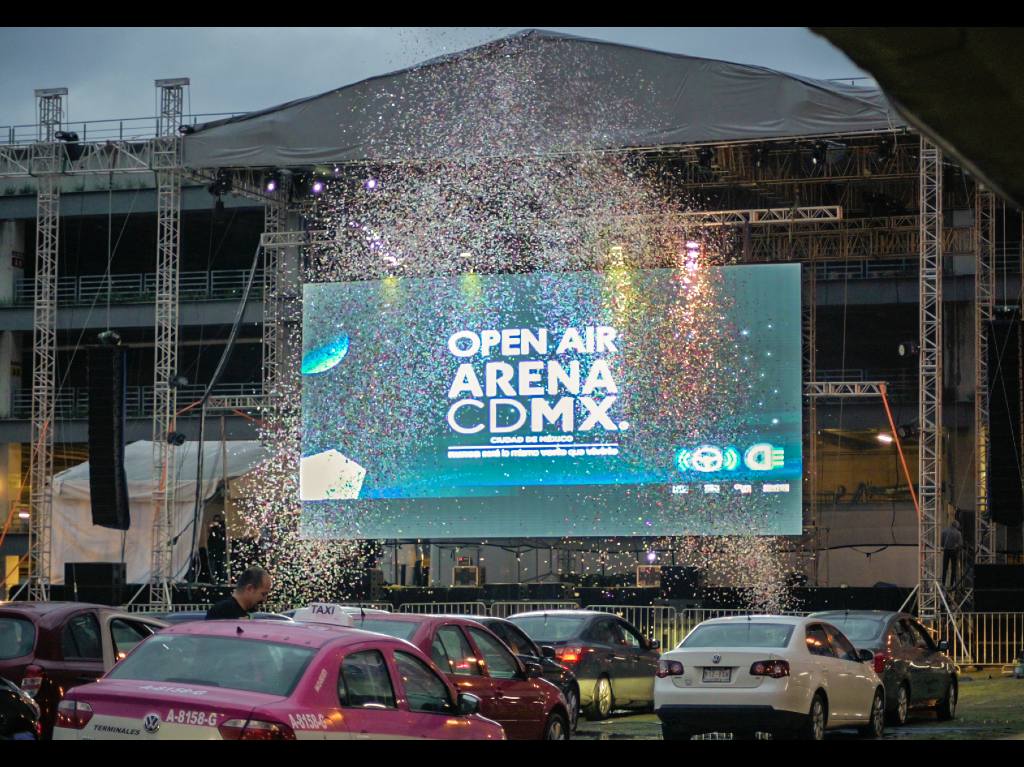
(269, 680)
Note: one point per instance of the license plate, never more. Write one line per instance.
(718, 675)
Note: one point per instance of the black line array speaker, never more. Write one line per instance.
(1006, 491)
(108, 486)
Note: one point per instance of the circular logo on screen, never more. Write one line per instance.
(151, 723)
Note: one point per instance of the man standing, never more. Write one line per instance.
(952, 541)
(250, 591)
(216, 547)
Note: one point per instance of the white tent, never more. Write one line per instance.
(76, 539)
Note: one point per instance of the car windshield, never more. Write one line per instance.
(550, 628)
(857, 628)
(400, 629)
(232, 663)
(17, 637)
(745, 634)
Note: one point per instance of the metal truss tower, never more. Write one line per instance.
(810, 407)
(274, 222)
(167, 166)
(984, 290)
(929, 595)
(47, 155)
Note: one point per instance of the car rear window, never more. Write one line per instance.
(234, 664)
(400, 629)
(745, 634)
(550, 628)
(856, 628)
(17, 637)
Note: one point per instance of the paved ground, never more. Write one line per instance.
(989, 708)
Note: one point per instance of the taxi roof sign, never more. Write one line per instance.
(324, 612)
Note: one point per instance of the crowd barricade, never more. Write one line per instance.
(505, 609)
(658, 622)
(444, 608)
(985, 639)
(183, 608)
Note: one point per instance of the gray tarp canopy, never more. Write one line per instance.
(539, 92)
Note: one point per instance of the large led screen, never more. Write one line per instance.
(616, 403)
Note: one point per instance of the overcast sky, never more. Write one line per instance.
(110, 72)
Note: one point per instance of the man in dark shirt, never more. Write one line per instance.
(250, 591)
(951, 541)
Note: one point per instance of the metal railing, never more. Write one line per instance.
(989, 639)
(444, 608)
(73, 402)
(88, 289)
(505, 609)
(117, 129)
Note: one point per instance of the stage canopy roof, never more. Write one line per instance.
(539, 93)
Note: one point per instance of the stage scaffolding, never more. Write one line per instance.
(779, 231)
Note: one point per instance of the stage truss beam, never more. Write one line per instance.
(167, 164)
(929, 596)
(984, 295)
(46, 159)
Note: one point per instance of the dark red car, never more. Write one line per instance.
(511, 692)
(49, 647)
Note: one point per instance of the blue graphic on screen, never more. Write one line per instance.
(627, 402)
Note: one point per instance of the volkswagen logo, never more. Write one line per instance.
(714, 659)
(151, 723)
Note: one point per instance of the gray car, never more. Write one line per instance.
(915, 670)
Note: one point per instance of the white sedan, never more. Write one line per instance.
(767, 673)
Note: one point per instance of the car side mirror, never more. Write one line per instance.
(943, 645)
(653, 644)
(865, 656)
(549, 651)
(533, 669)
(468, 704)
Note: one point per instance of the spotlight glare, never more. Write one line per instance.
(370, 184)
(317, 187)
(884, 438)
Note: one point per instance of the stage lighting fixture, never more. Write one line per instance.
(759, 154)
(907, 349)
(175, 438)
(884, 438)
(272, 182)
(109, 338)
(316, 187)
(886, 146)
(63, 135)
(186, 130)
(818, 152)
(176, 381)
(651, 556)
(370, 184)
(705, 155)
(23, 515)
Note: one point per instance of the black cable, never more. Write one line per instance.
(206, 395)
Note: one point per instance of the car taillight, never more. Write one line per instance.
(776, 669)
(669, 668)
(73, 713)
(882, 660)
(32, 681)
(255, 729)
(569, 654)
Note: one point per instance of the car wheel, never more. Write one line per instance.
(604, 700)
(897, 716)
(572, 699)
(556, 728)
(875, 727)
(814, 727)
(947, 706)
(668, 732)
